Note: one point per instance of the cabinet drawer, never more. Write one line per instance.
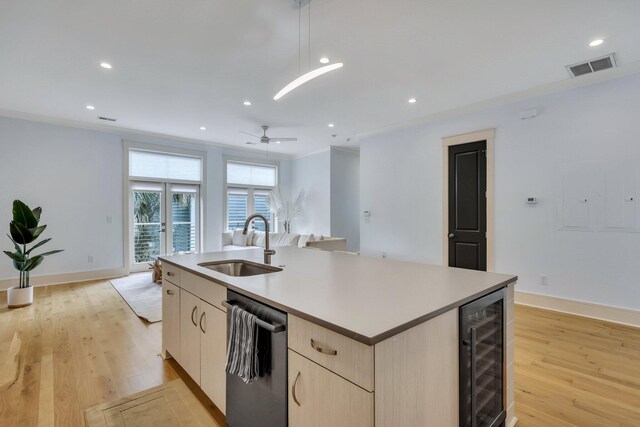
(319, 398)
(206, 290)
(171, 273)
(348, 358)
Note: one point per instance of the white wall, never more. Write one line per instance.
(345, 197)
(591, 130)
(76, 176)
(312, 173)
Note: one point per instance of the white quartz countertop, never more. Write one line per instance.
(367, 299)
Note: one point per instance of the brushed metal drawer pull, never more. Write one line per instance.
(170, 273)
(205, 319)
(193, 312)
(319, 349)
(170, 292)
(293, 390)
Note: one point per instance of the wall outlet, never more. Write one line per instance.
(90, 259)
(544, 280)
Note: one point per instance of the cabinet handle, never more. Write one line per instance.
(170, 273)
(319, 349)
(205, 319)
(474, 415)
(193, 312)
(170, 292)
(293, 389)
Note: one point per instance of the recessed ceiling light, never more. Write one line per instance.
(90, 107)
(596, 42)
(331, 125)
(412, 100)
(277, 142)
(106, 65)
(203, 128)
(324, 60)
(247, 103)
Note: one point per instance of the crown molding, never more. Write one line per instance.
(538, 91)
(133, 134)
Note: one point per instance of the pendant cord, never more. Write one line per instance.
(299, 37)
(309, 35)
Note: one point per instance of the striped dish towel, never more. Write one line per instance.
(242, 358)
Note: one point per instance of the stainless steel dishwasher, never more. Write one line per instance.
(262, 402)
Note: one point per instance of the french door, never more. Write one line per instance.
(165, 219)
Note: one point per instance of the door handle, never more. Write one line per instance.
(193, 312)
(205, 319)
(451, 235)
(293, 390)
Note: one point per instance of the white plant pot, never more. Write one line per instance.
(19, 297)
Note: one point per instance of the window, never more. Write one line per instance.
(249, 189)
(164, 204)
(165, 166)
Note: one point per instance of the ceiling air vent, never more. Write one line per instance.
(109, 119)
(593, 65)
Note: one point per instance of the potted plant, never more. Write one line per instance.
(24, 229)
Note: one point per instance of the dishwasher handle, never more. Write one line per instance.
(271, 327)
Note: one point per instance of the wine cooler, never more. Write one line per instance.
(482, 362)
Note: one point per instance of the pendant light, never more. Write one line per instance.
(311, 74)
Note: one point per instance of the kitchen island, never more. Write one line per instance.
(371, 341)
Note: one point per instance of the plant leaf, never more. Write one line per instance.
(33, 263)
(36, 232)
(17, 246)
(23, 215)
(20, 233)
(37, 245)
(50, 252)
(37, 212)
(18, 265)
(15, 256)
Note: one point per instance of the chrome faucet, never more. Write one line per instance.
(267, 252)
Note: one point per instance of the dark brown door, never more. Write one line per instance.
(468, 205)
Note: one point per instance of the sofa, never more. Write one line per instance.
(235, 240)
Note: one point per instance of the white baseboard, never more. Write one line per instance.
(620, 315)
(57, 279)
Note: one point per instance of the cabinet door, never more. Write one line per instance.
(213, 351)
(318, 397)
(171, 319)
(190, 334)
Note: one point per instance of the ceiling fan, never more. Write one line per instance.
(265, 139)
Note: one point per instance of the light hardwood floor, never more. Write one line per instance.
(82, 345)
(574, 371)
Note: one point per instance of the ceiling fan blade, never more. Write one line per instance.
(250, 134)
(272, 138)
(251, 143)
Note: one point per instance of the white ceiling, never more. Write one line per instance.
(182, 64)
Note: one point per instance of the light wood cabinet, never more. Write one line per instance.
(171, 319)
(318, 397)
(213, 354)
(190, 334)
(348, 358)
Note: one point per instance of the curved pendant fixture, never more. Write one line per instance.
(311, 74)
(305, 78)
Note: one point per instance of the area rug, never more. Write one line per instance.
(142, 294)
(171, 404)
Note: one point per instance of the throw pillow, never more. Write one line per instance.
(239, 239)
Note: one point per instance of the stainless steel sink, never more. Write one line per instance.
(238, 268)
